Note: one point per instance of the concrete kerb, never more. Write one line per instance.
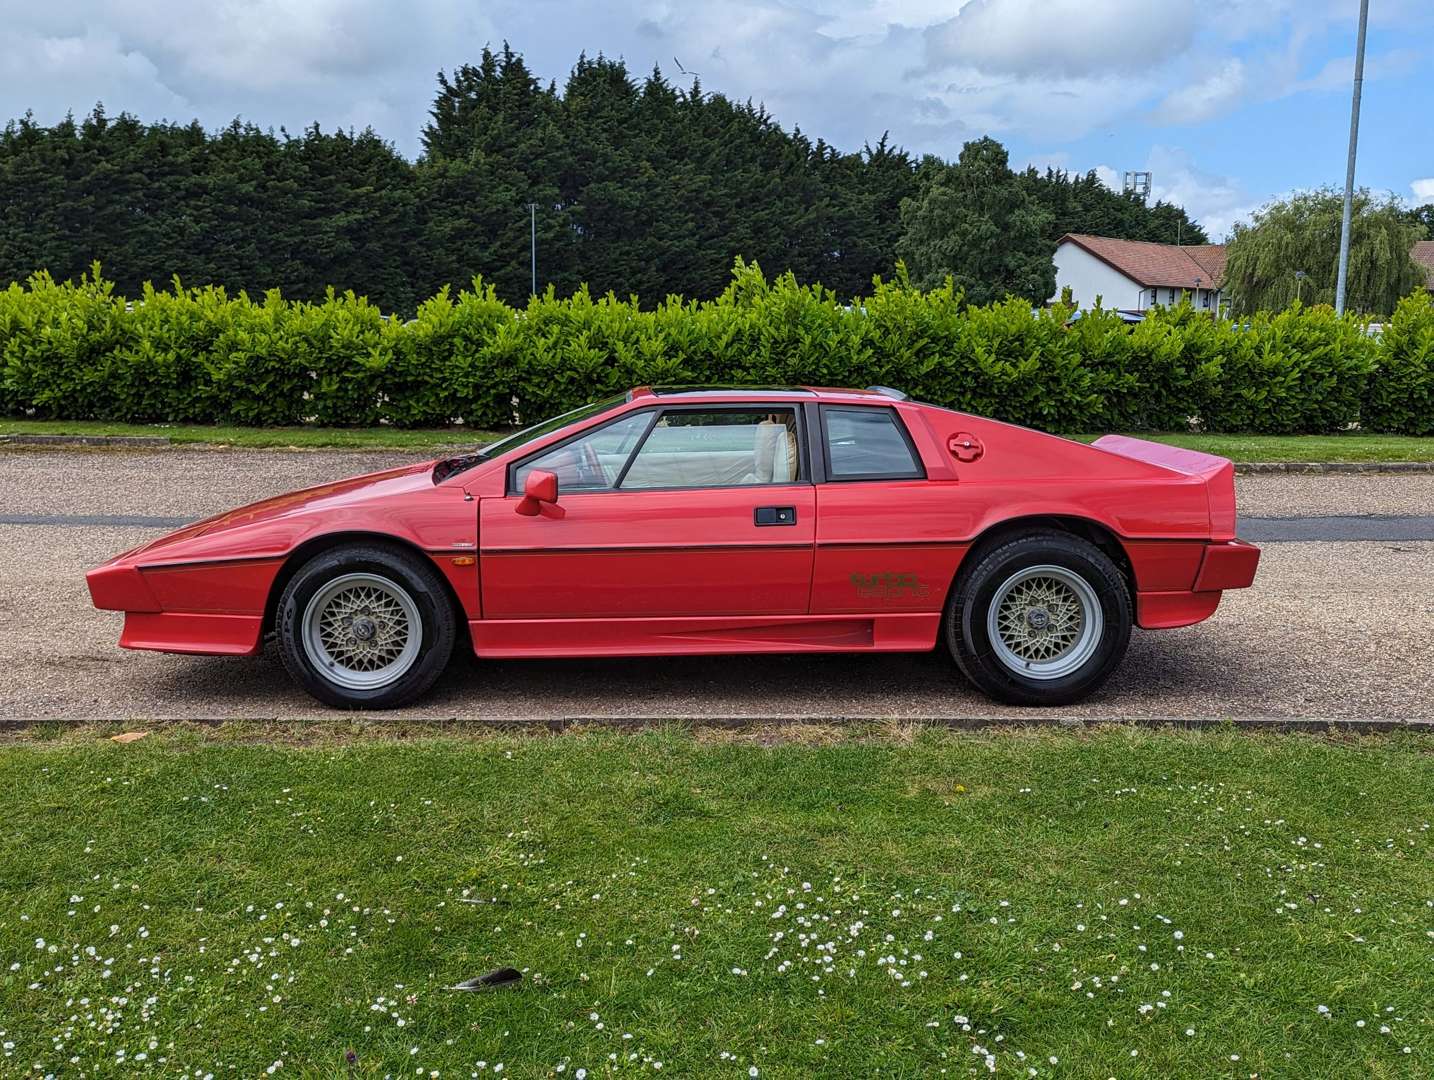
(558, 724)
(148, 442)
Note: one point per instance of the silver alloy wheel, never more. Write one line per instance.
(362, 631)
(1044, 622)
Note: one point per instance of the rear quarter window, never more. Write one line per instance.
(868, 444)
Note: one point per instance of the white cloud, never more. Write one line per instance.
(275, 62)
(851, 88)
(1062, 37)
(868, 19)
(1423, 189)
(1215, 202)
(1218, 92)
(935, 72)
(1268, 76)
(1055, 159)
(1109, 177)
(80, 69)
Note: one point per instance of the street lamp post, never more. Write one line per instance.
(1349, 167)
(1299, 285)
(533, 243)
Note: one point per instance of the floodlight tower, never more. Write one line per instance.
(1138, 184)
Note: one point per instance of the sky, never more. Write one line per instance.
(1228, 103)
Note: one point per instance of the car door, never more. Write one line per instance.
(665, 512)
(884, 530)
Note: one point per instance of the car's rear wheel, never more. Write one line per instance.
(366, 626)
(1039, 619)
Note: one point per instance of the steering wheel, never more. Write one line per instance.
(589, 467)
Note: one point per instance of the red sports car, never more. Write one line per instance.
(710, 520)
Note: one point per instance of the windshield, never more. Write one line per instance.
(449, 466)
(547, 427)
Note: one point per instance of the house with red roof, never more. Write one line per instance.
(1423, 254)
(1134, 275)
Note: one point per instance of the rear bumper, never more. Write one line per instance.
(1228, 565)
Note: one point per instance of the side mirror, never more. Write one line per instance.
(540, 488)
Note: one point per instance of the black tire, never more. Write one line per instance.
(1092, 657)
(410, 576)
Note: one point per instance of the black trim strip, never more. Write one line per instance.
(642, 549)
(831, 545)
(972, 539)
(840, 544)
(814, 443)
(632, 454)
(181, 564)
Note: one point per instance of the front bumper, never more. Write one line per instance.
(189, 632)
(225, 603)
(117, 586)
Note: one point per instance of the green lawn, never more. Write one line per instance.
(1236, 447)
(379, 438)
(1351, 447)
(1116, 903)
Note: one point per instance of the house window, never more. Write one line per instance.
(1172, 296)
(1205, 298)
(1154, 297)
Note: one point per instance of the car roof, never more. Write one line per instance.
(766, 393)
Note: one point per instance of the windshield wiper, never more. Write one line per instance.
(454, 465)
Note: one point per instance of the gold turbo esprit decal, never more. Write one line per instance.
(888, 586)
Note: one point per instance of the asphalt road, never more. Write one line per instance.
(1333, 630)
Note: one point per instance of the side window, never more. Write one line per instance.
(591, 462)
(700, 448)
(868, 444)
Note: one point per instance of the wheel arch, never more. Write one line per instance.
(1088, 529)
(317, 545)
(965, 623)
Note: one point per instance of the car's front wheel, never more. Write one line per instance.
(366, 626)
(1039, 619)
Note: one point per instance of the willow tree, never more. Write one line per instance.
(1290, 251)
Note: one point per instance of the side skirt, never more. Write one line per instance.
(904, 632)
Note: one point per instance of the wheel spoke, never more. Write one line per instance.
(1044, 621)
(362, 631)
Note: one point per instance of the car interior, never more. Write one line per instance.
(684, 449)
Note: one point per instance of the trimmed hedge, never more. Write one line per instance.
(1399, 396)
(77, 351)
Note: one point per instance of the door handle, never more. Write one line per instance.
(774, 515)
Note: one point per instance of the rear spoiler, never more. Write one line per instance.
(1217, 472)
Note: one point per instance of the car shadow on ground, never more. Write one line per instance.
(1162, 676)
